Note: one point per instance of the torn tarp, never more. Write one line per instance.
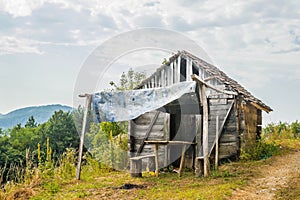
(126, 105)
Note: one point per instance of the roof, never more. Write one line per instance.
(222, 77)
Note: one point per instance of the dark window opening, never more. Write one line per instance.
(183, 70)
(195, 70)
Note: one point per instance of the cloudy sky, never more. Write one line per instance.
(43, 44)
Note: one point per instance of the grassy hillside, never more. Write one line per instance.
(41, 114)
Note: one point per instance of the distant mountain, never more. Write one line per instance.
(41, 114)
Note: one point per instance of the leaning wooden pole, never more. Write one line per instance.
(205, 129)
(203, 99)
(217, 143)
(86, 109)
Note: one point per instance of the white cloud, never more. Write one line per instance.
(12, 45)
(254, 41)
(20, 8)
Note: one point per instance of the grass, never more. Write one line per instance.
(105, 184)
(102, 183)
(166, 186)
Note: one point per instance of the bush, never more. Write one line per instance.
(282, 130)
(259, 150)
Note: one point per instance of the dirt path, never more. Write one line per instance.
(274, 176)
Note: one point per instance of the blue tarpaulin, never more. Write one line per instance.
(125, 105)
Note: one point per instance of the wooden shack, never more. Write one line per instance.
(220, 111)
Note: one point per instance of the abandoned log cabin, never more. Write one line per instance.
(221, 107)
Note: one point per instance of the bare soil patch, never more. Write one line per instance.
(278, 178)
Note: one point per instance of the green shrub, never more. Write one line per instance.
(281, 130)
(259, 150)
(67, 164)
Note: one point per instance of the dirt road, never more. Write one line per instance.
(281, 175)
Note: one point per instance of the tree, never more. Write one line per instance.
(129, 80)
(113, 127)
(2, 132)
(62, 133)
(77, 115)
(31, 122)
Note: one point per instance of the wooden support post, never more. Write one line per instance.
(136, 168)
(203, 99)
(217, 143)
(175, 71)
(152, 82)
(159, 79)
(182, 159)
(156, 159)
(87, 107)
(189, 69)
(163, 78)
(178, 70)
(198, 167)
(205, 129)
(168, 76)
(171, 73)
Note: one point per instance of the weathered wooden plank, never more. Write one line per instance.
(171, 78)
(88, 102)
(145, 120)
(157, 134)
(136, 168)
(217, 143)
(218, 101)
(142, 157)
(188, 69)
(147, 132)
(143, 128)
(166, 131)
(159, 78)
(182, 159)
(228, 150)
(178, 69)
(228, 138)
(228, 129)
(198, 79)
(223, 122)
(205, 129)
(156, 159)
(152, 82)
(228, 144)
(220, 95)
(163, 78)
(219, 107)
(199, 166)
(199, 148)
(172, 142)
(175, 71)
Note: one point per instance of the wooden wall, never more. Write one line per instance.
(160, 131)
(250, 124)
(242, 127)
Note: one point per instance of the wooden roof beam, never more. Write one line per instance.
(199, 80)
(260, 107)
